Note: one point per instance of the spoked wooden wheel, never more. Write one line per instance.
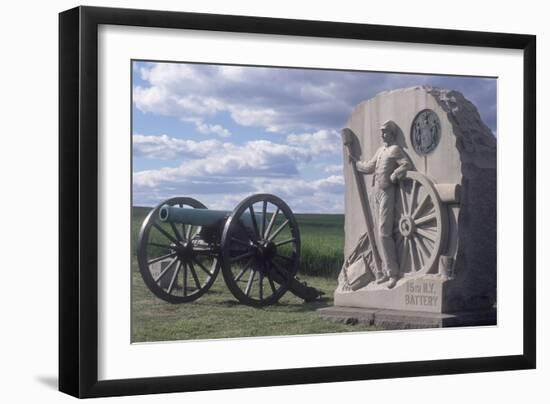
(420, 225)
(175, 264)
(260, 247)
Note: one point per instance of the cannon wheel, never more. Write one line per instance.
(168, 252)
(256, 260)
(420, 225)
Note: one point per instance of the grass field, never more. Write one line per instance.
(218, 314)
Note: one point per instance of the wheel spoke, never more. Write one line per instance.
(261, 286)
(185, 275)
(254, 223)
(413, 194)
(411, 254)
(276, 232)
(202, 267)
(426, 234)
(165, 233)
(244, 230)
(184, 231)
(422, 250)
(242, 256)
(271, 222)
(403, 256)
(417, 254)
(194, 275)
(214, 265)
(188, 232)
(403, 199)
(285, 258)
(163, 257)
(425, 219)
(166, 247)
(272, 285)
(239, 241)
(175, 230)
(283, 272)
(250, 280)
(420, 206)
(290, 240)
(264, 217)
(173, 280)
(243, 271)
(165, 270)
(182, 225)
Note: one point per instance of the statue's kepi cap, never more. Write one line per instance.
(388, 124)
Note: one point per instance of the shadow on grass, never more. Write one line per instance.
(278, 307)
(226, 303)
(302, 307)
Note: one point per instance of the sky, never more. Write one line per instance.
(220, 133)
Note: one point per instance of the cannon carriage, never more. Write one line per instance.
(182, 247)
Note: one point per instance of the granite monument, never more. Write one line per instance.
(420, 212)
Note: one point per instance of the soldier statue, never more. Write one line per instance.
(389, 164)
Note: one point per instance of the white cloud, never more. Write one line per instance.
(293, 187)
(164, 147)
(324, 195)
(280, 99)
(233, 172)
(266, 118)
(322, 141)
(205, 128)
(161, 100)
(213, 159)
(333, 168)
(277, 100)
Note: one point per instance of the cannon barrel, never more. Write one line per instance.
(202, 217)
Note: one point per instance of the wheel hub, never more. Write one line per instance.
(185, 250)
(265, 250)
(406, 226)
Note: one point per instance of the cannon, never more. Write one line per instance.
(182, 246)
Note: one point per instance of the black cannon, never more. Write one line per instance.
(182, 246)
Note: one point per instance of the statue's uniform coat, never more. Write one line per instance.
(388, 164)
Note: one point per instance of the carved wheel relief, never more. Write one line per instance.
(420, 225)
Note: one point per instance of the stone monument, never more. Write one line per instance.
(420, 213)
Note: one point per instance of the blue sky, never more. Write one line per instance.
(220, 133)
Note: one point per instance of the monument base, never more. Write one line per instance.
(406, 319)
(425, 294)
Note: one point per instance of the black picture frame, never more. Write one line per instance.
(78, 200)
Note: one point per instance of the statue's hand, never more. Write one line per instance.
(394, 178)
(352, 158)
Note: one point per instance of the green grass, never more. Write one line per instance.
(322, 244)
(217, 314)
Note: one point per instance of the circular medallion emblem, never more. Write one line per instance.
(425, 131)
